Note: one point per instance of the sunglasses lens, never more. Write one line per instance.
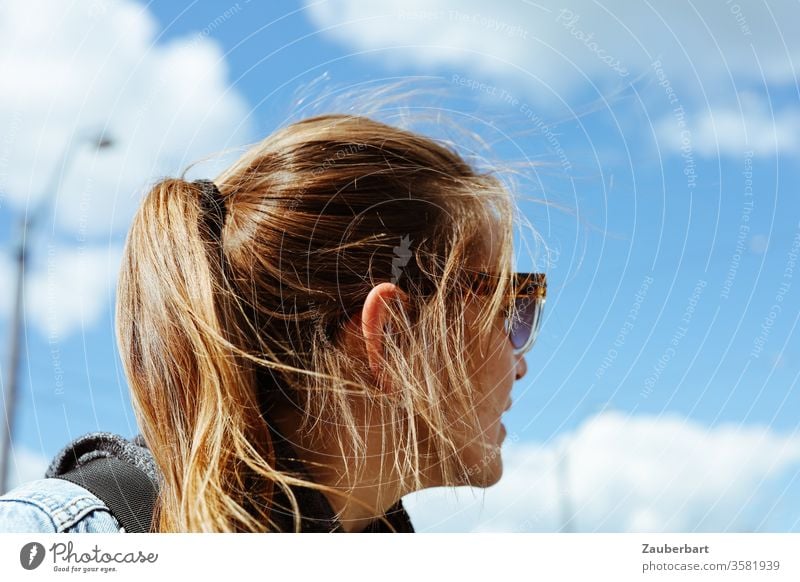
(525, 325)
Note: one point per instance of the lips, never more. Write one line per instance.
(507, 405)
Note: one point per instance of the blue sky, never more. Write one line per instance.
(665, 377)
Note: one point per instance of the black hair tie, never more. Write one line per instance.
(214, 208)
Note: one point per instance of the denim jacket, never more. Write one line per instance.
(53, 505)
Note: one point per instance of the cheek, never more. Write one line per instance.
(493, 372)
(491, 366)
(490, 355)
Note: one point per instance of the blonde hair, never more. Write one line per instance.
(211, 332)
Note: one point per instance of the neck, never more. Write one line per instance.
(364, 497)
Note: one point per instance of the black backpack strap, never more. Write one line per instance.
(125, 489)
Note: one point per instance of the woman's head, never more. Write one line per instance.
(339, 292)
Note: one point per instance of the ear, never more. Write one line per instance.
(376, 323)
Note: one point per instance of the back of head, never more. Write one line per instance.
(214, 330)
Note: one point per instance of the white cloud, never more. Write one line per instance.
(72, 70)
(625, 473)
(67, 288)
(68, 73)
(575, 42)
(26, 465)
(71, 291)
(732, 131)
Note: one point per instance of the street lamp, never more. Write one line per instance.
(27, 224)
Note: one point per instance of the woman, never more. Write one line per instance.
(329, 325)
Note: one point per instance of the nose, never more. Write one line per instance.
(522, 366)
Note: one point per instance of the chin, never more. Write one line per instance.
(494, 472)
(488, 477)
(485, 470)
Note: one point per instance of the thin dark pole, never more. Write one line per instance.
(13, 366)
(27, 224)
(562, 477)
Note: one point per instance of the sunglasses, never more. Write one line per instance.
(523, 323)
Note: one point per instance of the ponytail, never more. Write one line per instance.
(194, 392)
